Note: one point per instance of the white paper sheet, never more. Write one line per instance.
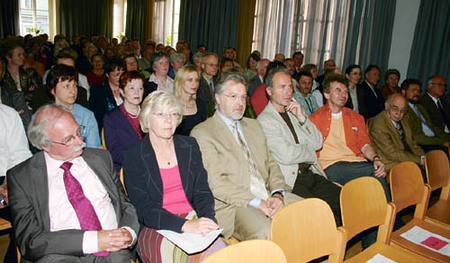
(378, 258)
(428, 239)
(191, 242)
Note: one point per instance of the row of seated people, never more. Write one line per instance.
(231, 103)
(165, 178)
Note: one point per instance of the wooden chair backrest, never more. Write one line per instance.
(256, 250)
(363, 206)
(408, 188)
(438, 171)
(103, 139)
(306, 230)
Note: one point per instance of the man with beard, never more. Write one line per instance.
(245, 179)
(73, 207)
(424, 132)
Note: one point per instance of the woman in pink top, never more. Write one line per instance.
(167, 184)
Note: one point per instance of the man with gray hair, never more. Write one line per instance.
(293, 140)
(73, 207)
(246, 181)
(210, 67)
(257, 80)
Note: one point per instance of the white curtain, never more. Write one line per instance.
(165, 21)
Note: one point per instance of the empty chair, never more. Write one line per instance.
(408, 188)
(438, 176)
(363, 206)
(306, 230)
(257, 250)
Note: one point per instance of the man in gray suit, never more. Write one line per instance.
(293, 140)
(246, 181)
(67, 203)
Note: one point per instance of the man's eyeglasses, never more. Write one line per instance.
(397, 109)
(235, 97)
(71, 138)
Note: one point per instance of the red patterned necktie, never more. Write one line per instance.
(83, 208)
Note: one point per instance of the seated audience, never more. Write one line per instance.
(245, 179)
(13, 150)
(346, 146)
(318, 92)
(250, 71)
(69, 185)
(424, 132)
(106, 96)
(279, 57)
(257, 80)
(131, 63)
(62, 85)
(356, 96)
(313, 69)
(298, 62)
(438, 109)
(391, 79)
(327, 64)
(97, 74)
(391, 134)
(167, 183)
(144, 61)
(159, 80)
(197, 58)
(373, 100)
(303, 93)
(83, 63)
(185, 90)
(121, 125)
(293, 139)
(31, 62)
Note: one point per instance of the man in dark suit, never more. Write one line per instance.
(373, 100)
(298, 61)
(210, 67)
(258, 79)
(67, 204)
(436, 106)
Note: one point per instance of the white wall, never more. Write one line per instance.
(406, 12)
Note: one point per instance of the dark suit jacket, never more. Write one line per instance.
(28, 195)
(433, 111)
(119, 135)
(254, 83)
(360, 97)
(149, 87)
(203, 92)
(16, 100)
(372, 104)
(144, 185)
(100, 101)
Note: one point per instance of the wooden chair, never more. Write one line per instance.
(363, 206)
(306, 230)
(438, 176)
(407, 189)
(258, 250)
(103, 139)
(122, 181)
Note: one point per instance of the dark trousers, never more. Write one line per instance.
(308, 185)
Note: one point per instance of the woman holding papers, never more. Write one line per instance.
(166, 182)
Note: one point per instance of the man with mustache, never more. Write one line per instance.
(424, 132)
(245, 179)
(67, 203)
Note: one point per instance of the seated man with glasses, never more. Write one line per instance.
(67, 203)
(392, 136)
(246, 181)
(62, 85)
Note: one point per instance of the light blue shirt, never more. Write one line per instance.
(425, 128)
(255, 202)
(89, 127)
(309, 104)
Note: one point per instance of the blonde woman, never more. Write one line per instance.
(185, 89)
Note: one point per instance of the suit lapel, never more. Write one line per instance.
(40, 181)
(183, 152)
(151, 164)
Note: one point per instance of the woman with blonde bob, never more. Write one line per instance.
(185, 89)
(167, 183)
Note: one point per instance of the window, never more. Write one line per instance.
(33, 17)
(165, 22)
